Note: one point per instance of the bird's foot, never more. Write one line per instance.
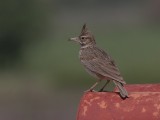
(101, 90)
(90, 90)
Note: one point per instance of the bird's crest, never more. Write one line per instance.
(85, 30)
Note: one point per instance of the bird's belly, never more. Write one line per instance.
(94, 74)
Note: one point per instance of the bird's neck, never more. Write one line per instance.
(88, 45)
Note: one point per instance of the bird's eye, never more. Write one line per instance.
(82, 38)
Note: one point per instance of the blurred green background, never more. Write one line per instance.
(40, 74)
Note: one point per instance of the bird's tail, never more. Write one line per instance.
(122, 90)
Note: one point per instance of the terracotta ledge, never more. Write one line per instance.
(143, 104)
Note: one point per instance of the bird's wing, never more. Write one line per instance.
(101, 63)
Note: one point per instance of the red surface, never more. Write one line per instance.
(142, 88)
(143, 104)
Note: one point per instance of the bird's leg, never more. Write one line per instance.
(93, 86)
(104, 86)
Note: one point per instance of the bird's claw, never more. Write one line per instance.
(101, 90)
(90, 90)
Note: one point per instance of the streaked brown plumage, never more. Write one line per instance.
(97, 62)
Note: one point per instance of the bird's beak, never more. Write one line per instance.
(76, 39)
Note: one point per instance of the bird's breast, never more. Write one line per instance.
(86, 55)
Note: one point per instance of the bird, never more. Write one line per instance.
(98, 63)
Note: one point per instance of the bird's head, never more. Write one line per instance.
(85, 39)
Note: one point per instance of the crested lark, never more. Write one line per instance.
(97, 62)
